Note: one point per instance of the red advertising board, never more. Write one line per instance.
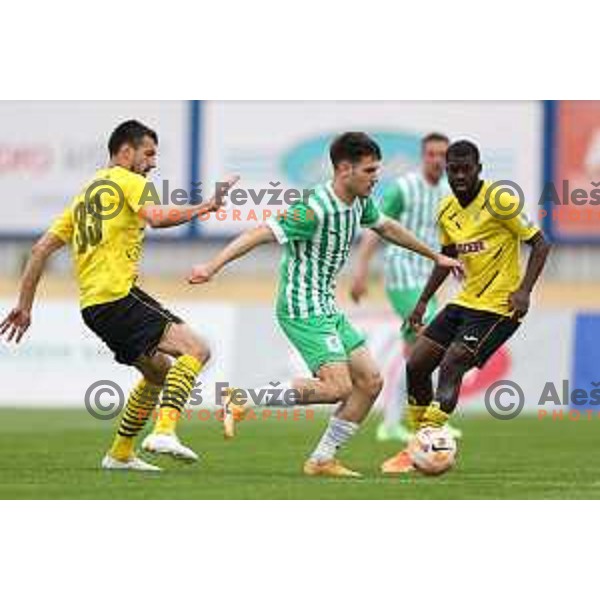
(571, 211)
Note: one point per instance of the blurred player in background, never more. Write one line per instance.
(485, 229)
(106, 247)
(411, 199)
(317, 236)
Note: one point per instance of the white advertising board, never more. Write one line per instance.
(286, 143)
(48, 150)
(60, 358)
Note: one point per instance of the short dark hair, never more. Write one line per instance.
(353, 146)
(463, 149)
(434, 136)
(129, 132)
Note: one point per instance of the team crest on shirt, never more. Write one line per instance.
(470, 247)
(334, 344)
(134, 253)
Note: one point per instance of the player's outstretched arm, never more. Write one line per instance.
(19, 319)
(366, 250)
(437, 277)
(395, 233)
(519, 301)
(164, 216)
(241, 245)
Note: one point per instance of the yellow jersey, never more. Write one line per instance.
(488, 242)
(105, 233)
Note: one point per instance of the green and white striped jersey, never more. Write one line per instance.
(413, 202)
(317, 235)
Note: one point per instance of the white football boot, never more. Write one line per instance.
(131, 464)
(164, 443)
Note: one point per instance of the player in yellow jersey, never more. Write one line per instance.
(104, 226)
(482, 228)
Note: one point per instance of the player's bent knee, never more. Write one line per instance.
(415, 368)
(158, 371)
(202, 352)
(375, 386)
(339, 389)
(336, 383)
(199, 350)
(457, 361)
(154, 369)
(181, 340)
(155, 378)
(371, 385)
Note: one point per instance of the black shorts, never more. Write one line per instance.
(131, 326)
(479, 331)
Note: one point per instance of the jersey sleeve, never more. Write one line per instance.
(62, 227)
(371, 217)
(393, 203)
(298, 224)
(507, 210)
(521, 226)
(135, 192)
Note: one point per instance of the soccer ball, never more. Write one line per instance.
(432, 450)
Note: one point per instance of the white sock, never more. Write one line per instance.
(338, 432)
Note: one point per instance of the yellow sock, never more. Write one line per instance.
(179, 383)
(413, 416)
(413, 413)
(141, 402)
(434, 416)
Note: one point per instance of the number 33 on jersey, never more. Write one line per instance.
(106, 242)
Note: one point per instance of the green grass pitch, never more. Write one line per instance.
(56, 454)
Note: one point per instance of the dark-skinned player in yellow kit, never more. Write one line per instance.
(478, 224)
